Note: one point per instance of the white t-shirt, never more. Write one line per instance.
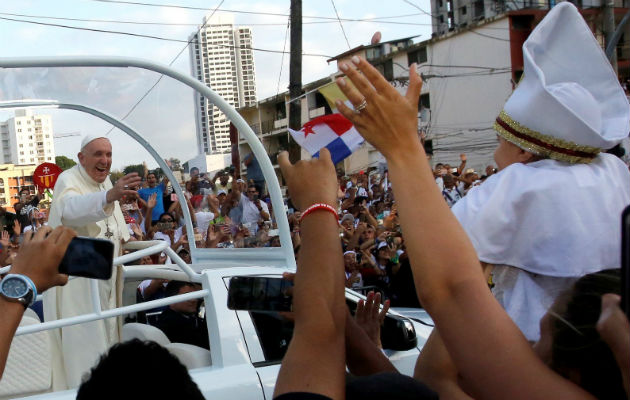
(251, 215)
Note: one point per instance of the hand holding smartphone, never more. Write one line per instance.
(88, 258)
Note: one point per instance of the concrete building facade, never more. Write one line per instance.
(13, 178)
(221, 57)
(27, 138)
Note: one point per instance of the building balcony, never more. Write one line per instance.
(316, 112)
(280, 123)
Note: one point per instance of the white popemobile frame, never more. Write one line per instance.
(278, 256)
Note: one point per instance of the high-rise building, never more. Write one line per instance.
(27, 138)
(221, 57)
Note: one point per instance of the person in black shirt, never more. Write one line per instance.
(180, 321)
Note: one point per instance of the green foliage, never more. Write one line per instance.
(175, 164)
(139, 168)
(64, 162)
(116, 175)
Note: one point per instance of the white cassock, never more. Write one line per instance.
(80, 203)
(543, 225)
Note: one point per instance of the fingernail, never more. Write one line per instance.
(341, 82)
(355, 60)
(338, 103)
(343, 66)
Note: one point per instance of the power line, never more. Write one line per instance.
(170, 64)
(243, 12)
(286, 34)
(151, 36)
(489, 36)
(340, 24)
(93, 30)
(419, 8)
(128, 22)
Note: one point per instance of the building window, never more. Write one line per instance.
(424, 102)
(418, 56)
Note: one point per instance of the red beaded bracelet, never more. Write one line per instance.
(320, 206)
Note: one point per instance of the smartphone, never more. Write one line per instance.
(163, 226)
(625, 261)
(257, 293)
(88, 258)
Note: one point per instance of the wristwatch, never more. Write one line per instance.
(19, 289)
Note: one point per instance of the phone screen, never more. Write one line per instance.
(89, 258)
(625, 261)
(259, 294)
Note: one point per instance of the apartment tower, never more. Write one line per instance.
(221, 57)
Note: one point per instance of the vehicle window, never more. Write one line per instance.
(274, 333)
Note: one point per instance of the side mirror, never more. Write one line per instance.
(398, 333)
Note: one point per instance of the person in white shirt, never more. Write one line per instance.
(254, 209)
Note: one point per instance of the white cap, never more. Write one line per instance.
(91, 137)
(569, 104)
(221, 191)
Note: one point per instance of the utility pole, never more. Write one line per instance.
(295, 77)
(609, 29)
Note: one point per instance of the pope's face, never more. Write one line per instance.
(96, 158)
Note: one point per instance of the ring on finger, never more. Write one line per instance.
(126, 186)
(361, 107)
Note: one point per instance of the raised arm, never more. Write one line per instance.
(447, 274)
(38, 259)
(315, 360)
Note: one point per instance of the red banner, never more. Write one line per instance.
(45, 175)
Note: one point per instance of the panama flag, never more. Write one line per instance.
(333, 131)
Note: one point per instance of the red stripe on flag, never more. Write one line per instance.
(337, 122)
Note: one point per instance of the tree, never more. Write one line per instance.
(64, 162)
(139, 168)
(115, 175)
(174, 164)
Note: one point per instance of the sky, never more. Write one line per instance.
(166, 116)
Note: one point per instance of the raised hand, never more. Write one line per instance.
(124, 187)
(152, 201)
(370, 317)
(387, 120)
(312, 181)
(40, 255)
(5, 240)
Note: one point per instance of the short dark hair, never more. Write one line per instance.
(25, 188)
(194, 169)
(172, 288)
(167, 213)
(133, 362)
(576, 341)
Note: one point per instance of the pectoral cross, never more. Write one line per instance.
(108, 233)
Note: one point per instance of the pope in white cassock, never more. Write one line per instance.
(86, 200)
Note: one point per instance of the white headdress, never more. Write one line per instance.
(569, 104)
